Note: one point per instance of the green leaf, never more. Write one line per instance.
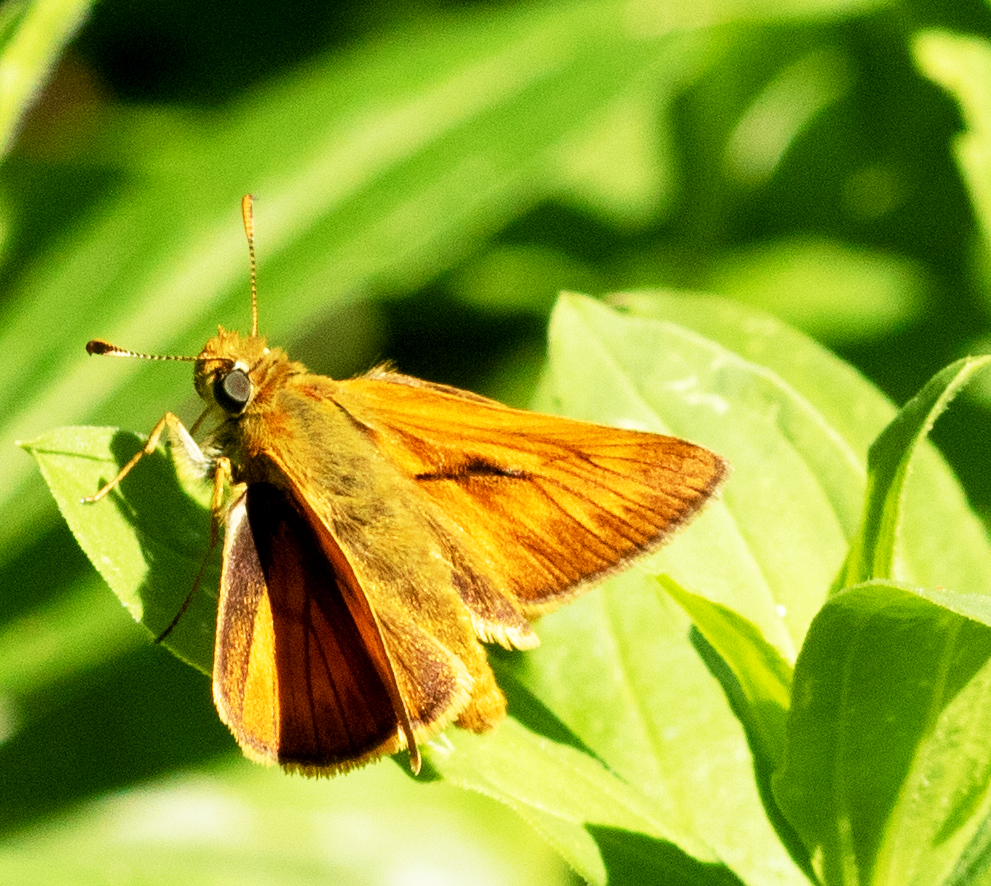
(833, 416)
(149, 538)
(648, 705)
(541, 780)
(757, 683)
(876, 549)
(888, 773)
(790, 418)
(762, 676)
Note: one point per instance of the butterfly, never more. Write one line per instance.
(378, 530)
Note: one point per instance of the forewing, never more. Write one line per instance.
(546, 504)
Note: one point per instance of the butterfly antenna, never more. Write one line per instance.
(249, 231)
(105, 348)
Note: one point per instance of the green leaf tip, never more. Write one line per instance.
(874, 553)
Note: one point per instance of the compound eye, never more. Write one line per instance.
(232, 391)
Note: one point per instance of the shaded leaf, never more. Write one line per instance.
(858, 292)
(888, 777)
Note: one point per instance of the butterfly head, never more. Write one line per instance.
(232, 369)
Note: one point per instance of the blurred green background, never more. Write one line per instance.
(428, 176)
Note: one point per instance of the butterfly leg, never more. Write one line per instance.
(178, 434)
(221, 478)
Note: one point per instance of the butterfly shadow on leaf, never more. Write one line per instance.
(631, 859)
(522, 705)
(527, 708)
(170, 521)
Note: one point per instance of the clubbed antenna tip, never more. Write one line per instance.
(104, 348)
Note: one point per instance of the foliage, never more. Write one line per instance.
(795, 688)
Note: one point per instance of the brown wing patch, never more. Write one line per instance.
(293, 675)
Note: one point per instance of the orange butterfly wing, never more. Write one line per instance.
(545, 504)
